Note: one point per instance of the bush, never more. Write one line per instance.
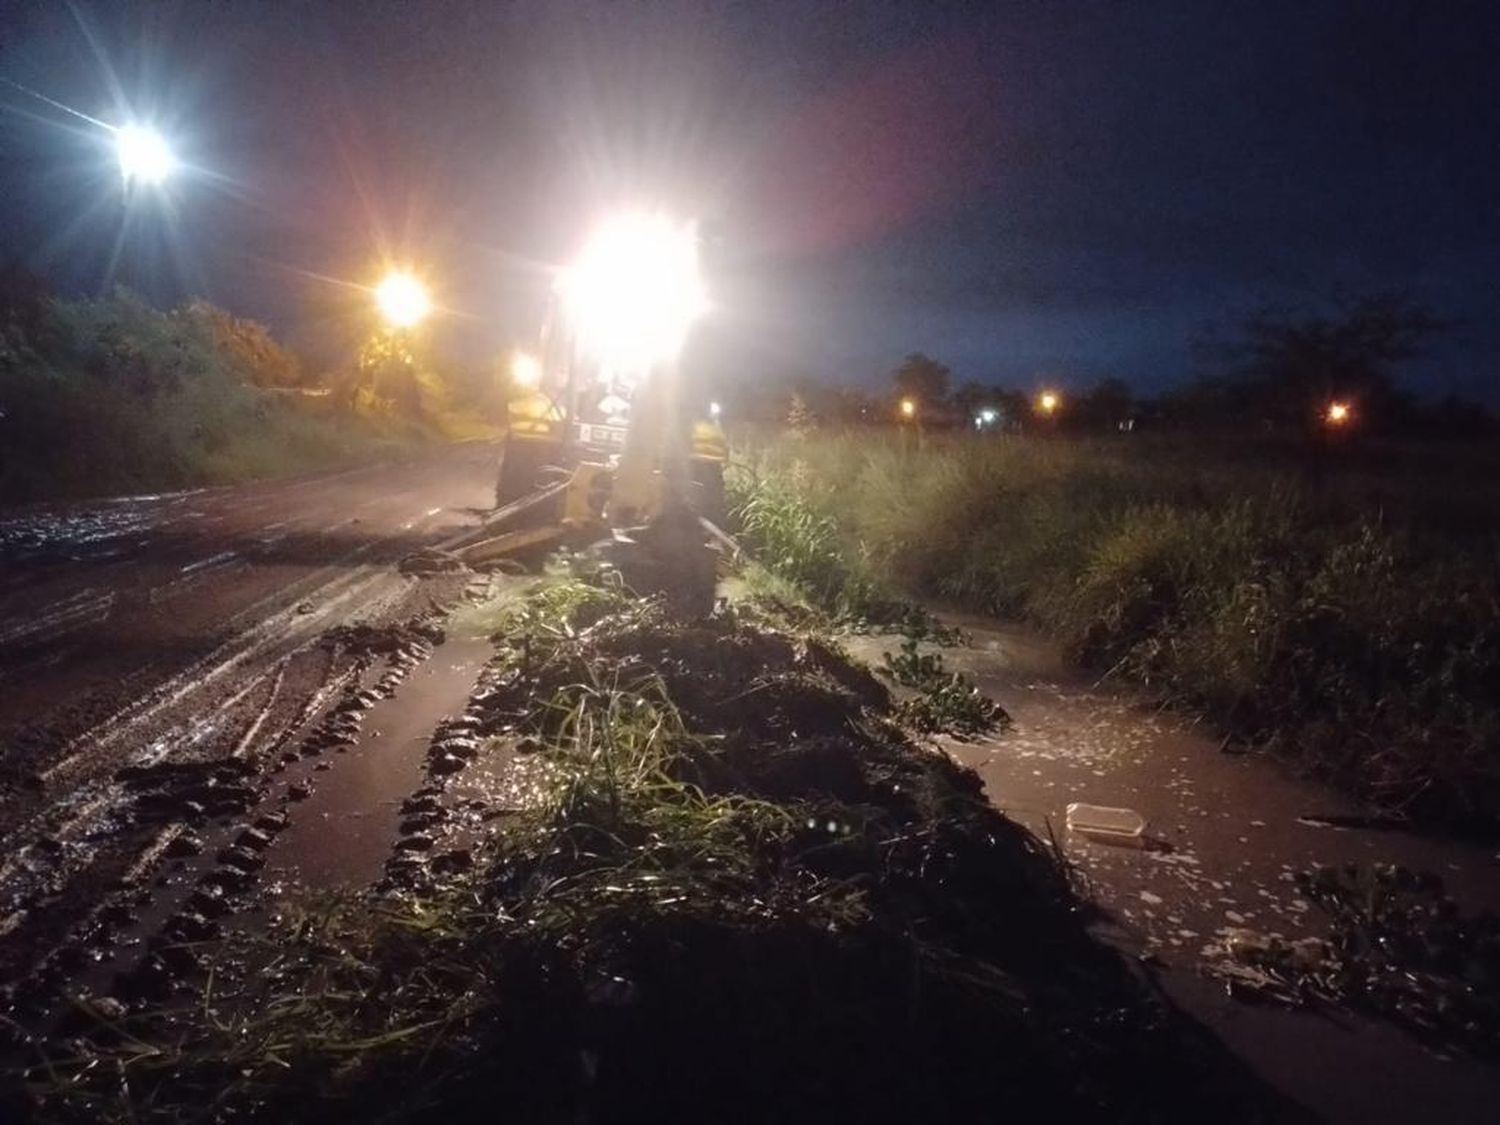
(110, 395)
(1366, 648)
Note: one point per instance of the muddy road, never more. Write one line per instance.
(211, 699)
(178, 668)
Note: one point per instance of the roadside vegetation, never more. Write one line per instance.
(1397, 947)
(107, 396)
(1349, 620)
(738, 890)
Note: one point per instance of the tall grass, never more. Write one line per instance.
(1360, 639)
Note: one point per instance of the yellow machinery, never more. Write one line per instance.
(601, 447)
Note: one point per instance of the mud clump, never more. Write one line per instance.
(385, 640)
(191, 791)
(184, 845)
(747, 840)
(425, 564)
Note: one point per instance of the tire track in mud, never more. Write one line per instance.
(75, 835)
(141, 942)
(250, 630)
(206, 750)
(156, 549)
(86, 607)
(181, 723)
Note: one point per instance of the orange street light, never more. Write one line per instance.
(402, 299)
(1338, 414)
(908, 409)
(1047, 402)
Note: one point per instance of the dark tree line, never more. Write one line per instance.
(1280, 371)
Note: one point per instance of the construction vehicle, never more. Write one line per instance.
(601, 446)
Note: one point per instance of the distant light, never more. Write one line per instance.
(714, 410)
(1048, 402)
(1338, 414)
(144, 154)
(525, 370)
(403, 300)
(635, 291)
(908, 408)
(989, 415)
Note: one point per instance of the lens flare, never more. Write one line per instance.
(635, 291)
(144, 155)
(402, 300)
(525, 371)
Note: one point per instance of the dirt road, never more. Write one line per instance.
(162, 657)
(1231, 831)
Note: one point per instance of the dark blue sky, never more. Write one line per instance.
(1056, 189)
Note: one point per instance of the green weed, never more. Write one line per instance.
(1397, 947)
(1298, 617)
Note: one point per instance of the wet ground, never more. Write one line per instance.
(211, 699)
(1227, 832)
(187, 679)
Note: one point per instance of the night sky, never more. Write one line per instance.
(1022, 190)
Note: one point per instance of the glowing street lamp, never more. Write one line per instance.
(402, 300)
(144, 155)
(635, 291)
(1047, 403)
(1338, 414)
(525, 371)
(908, 409)
(714, 410)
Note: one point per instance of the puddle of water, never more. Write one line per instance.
(1230, 842)
(341, 835)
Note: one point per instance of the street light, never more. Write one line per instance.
(1048, 402)
(1338, 414)
(525, 371)
(908, 409)
(144, 155)
(402, 299)
(714, 410)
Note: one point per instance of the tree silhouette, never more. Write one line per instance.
(1107, 403)
(1286, 366)
(923, 379)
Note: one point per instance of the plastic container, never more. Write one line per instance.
(1123, 827)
